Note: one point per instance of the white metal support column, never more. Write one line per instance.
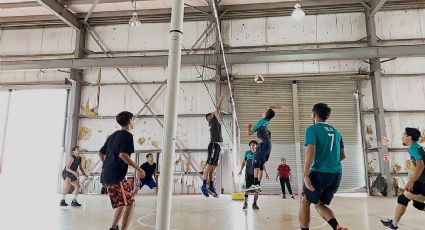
(297, 136)
(169, 142)
(378, 104)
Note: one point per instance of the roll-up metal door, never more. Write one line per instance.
(251, 101)
(340, 96)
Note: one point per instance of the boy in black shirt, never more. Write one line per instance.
(151, 172)
(115, 155)
(213, 151)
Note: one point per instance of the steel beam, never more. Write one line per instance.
(376, 6)
(109, 56)
(86, 18)
(313, 7)
(74, 96)
(152, 116)
(355, 53)
(61, 12)
(378, 104)
(13, 5)
(150, 99)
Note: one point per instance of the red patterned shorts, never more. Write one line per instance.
(120, 194)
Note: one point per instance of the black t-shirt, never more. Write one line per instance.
(149, 170)
(75, 163)
(215, 130)
(114, 169)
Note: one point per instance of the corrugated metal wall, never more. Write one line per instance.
(340, 96)
(251, 101)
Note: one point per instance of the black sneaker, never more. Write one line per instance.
(255, 207)
(211, 191)
(116, 228)
(388, 224)
(63, 203)
(284, 197)
(292, 197)
(245, 206)
(75, 203)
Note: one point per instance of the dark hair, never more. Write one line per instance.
(206, 116)
(73, 149)
(149, 154)
(283, 159)
(414, 133)
(253, 141)
(322, 110)
(269, 114)
(124, 118)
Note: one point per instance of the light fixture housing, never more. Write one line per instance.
(134, 20)
(298, 13)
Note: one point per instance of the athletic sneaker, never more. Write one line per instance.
(292, 197)
(258, 188)
(255, 207)
(75, 203)
(116, 228)
(63, 203)
(389, 224)
(245, 206)
(205, 191)
(211, 190)
(284, 197)
(252, 188)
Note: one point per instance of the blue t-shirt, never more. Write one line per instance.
(249, 158)
(417, 153)
(262, 129)
(328, 144)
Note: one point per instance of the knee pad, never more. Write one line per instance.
(403, 200)
(419, 205)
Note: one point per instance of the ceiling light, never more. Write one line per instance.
(134, 20)
(298, 13)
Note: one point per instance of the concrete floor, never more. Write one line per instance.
(195, 212)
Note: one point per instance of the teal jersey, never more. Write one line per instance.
(328, 144)
(417, 153)
(262, 129)
(249, 155)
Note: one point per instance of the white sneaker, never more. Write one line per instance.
(252, 188)
(258, 188)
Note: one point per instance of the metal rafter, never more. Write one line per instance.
(354, 53)
(95, 2)
(109, 56)
(61, 12)
(376, 6)
(241, 11)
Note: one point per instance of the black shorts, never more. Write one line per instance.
(249, 180)
(213, 154)
(259, 164)
(325, 186)
(263, 151)
(66, 174)
(418, 188)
